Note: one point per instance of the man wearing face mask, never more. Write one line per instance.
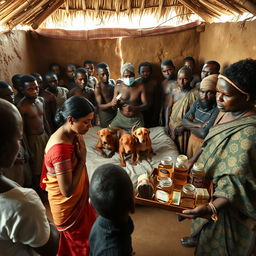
(201, 116)
(130, 99)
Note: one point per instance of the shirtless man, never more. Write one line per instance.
(153, 94)
(104, 92)
(16, 85)
(50, 103)
(168, 84)
(24, 228)
(130, 98)
(56, 68)
(82, 88)
(70, 74)
(191, 63)
(89, 67)
(20, 171)
(52, 85)
(6, 92)
(36, 127)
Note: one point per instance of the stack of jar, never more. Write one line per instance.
(164, 188)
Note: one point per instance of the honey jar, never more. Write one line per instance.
(165, 184)
(188, 195)
(180, 173)
(197, 175)
(166, 165)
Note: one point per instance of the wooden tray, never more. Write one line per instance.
(167, 206)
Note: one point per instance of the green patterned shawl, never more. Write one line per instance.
(229, 157)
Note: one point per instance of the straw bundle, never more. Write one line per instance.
(34, 12)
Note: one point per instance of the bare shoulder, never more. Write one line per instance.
(56, 138)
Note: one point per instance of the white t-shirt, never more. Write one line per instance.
(23, 222)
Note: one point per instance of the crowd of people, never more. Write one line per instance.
(210, 117)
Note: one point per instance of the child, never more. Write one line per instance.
(111, 193)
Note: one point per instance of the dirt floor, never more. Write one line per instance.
(157, 232)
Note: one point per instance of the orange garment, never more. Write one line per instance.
(194, 144)
(72, 215)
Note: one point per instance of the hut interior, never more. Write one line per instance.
(35, 33)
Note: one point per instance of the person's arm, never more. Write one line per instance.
(52, 245)
(69, 181)
(71, 93)
(29, 225)
(46, 124)
(99, 100)
(200, 130)
(115, 101)
(205, 210)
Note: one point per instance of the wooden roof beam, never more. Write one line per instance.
(40, 18)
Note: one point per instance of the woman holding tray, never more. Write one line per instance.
(229, 157)
(65, 176)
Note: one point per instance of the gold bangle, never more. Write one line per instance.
(214, 216)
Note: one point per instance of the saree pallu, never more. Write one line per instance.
(229, 158)
(73, 216)
(179, 109)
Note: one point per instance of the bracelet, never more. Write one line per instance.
(214, 216)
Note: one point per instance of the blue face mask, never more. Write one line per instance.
(128, 81)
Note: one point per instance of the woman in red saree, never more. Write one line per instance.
(64, 176)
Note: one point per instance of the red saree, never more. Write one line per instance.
(73, 216)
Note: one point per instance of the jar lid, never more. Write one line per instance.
(198, 166)
(167, 161)
(189, 189)
(165, 182)
(181, 159)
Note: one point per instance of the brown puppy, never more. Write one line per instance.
(127, 147)
(143, 142)
(107, 140)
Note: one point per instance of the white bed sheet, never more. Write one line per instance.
(162, 145)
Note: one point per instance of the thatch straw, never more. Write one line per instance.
(34, 12)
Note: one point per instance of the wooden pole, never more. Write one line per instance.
(31, 12)
(39, 19)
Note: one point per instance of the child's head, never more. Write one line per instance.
(111, 192)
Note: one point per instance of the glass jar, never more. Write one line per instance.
(180, 173)
(167, 165)
(188, 195)
(197, 175)
(145, 188)
(165, 184)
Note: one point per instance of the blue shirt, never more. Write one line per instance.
(111, 239)
(199, 114)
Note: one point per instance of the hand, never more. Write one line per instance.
(80, 148)
(114, 102)
(199, 211)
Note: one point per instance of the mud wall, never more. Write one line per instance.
(115, 51)
(16, 54)
(24, 52)
(228, 42)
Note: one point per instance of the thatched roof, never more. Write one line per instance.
(34, 12)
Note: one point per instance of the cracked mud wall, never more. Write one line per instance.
(16, 54)
(113, 51)
(24, 52)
